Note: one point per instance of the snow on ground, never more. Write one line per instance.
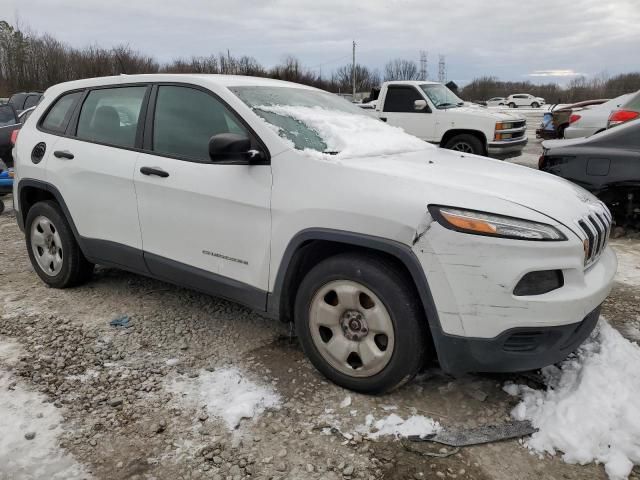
(394, 425)
(628, 265)
(24, 412)
(591, 409)
(227, 394)
(351, 135)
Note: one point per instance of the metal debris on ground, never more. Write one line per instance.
(464, 437)
(121, 321)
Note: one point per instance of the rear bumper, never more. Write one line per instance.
(506, 149)
(515, 350)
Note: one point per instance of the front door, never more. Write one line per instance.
(399, 111)
(205, 225)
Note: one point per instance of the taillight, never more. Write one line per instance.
(621, 116)
(541, 162)
(14, 136)
(574, 118)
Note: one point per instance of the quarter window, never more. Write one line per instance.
(58, 116)
(401, 99)
(186, 119)
(110, 115)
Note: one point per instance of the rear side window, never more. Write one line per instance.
(186, 118)
(110, 115)
(31, 101)
(401, 99)
(58, 116)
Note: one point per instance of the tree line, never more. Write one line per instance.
(576, 90)
(31, 61)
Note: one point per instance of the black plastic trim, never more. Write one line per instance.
(205, 281)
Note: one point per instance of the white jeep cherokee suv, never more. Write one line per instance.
(523, 100)
(384, 250)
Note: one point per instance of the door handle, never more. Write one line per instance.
(63, 154)
(384, 119)
(158, 172)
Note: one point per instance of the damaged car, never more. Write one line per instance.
(384, 251)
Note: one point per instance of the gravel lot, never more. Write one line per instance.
(114, 403)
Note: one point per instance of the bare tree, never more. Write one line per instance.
(401, 69)
(365, 79)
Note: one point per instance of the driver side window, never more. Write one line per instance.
(186, 118)
(401, 99)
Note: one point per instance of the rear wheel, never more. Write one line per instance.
(512, 105)
(465, 143)
(360, 323)
(52, 248)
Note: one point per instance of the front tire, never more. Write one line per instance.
(53, 250)
(535, 105)
(465, 143)
(360, 323)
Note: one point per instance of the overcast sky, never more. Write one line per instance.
(538, 40)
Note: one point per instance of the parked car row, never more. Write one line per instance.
(516, 100)
(300, 205)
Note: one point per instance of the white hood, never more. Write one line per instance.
(454, 172)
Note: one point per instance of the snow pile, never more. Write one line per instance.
(23, 412)
(351, 135)
(628, 268)
(394, 425)
(227, 394)
(591, 410)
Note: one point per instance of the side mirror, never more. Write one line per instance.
(233, 149)
(419, 105)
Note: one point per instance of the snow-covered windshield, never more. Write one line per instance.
(322, 122)
(441, 96)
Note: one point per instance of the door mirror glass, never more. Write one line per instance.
(232, 149)
(420, 105)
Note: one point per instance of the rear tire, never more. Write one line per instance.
(512, 105)
(465, 143)
(53, 250)
(360, 323)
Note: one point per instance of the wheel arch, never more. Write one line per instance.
(449, 134)
(311, 246)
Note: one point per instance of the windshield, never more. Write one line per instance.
(7, 117)
(441, 96)
(322, 122)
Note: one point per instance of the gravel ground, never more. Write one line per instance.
(115, 403)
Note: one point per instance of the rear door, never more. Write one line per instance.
(205, 225)
(399, 110)
(92, 166)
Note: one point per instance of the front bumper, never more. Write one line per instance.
(506, 149)
(515, 350)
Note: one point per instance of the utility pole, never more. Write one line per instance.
(442, 72)
(353, 72)
(423, 65)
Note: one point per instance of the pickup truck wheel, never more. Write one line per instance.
(535, 105)
(512, 105)
(465, 143)
(52, 248)
(360, 323)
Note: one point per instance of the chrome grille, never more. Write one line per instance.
(596, 226)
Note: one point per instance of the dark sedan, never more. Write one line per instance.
(607, 164)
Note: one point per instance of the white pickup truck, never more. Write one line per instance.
(432, 112)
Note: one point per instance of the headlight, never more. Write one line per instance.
(490, 224)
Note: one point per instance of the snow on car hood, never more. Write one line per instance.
(483, 112)
(452, 172)
(351, 135)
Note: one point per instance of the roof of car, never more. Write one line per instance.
(213, 79)
(413, 82)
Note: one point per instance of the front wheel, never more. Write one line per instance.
(535, 105)
(52, 248)
(360, 323)
(465, 143)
